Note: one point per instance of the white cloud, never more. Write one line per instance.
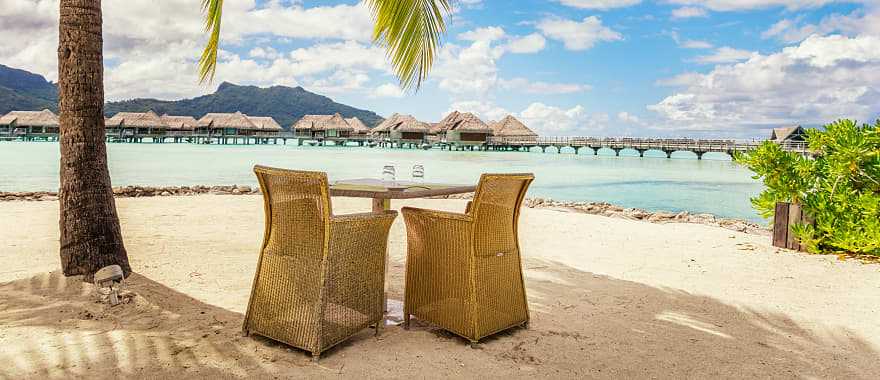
(486, 111)
(737, 5)
(152, 46)
(689, 12)
(725, 54)
(544, 88)
(267, 52)
(599, 4)
(554, 121)
(388, 90)
(531, 43)
(576, 35)
(473, 71)
(815, 82)
(695, 44)
(794, 30)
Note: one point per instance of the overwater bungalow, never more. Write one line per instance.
(322, 127)
(135, 125)
(24, 123)
(510, 129)
(360, 129)
(179, 125)
(406, 130)
(789, 134)
(382, 131)
(220, 125)
(266, 126)
(464, 130)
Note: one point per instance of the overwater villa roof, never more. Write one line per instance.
(322, 123)
(464, 122)
(265, 123)
(236, 120)
(511, 127)
(443, 125)
(787, 133)
(357, 125)
(147, 119)
(386, 124)
(179, 122)
(44, 118)
(409, 124)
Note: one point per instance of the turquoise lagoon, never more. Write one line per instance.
(713, 185)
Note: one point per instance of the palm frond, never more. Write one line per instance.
(208, 62)
(411, 31)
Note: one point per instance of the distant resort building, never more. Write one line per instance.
(382, 132)
(265, 126)
(179, 125)
(20, 123)
(224, 124)
(321, 127)
(406, 130)
(360, 129)
(464, 130)
(135, 125)
(512, 130)
(789, 134)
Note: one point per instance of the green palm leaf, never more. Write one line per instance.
(409, 29)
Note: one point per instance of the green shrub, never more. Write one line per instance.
(839, 188)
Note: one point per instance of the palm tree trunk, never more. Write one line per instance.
(90, 232)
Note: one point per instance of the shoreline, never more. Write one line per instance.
(583, 207)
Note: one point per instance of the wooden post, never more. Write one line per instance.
(780, 225)
(795, 216)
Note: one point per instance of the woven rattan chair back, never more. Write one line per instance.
(320, 276)
(499, 287)
(297, 209)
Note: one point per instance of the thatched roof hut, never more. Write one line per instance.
(44, 118)
(443, 125)
(464, 122)
(265, 123)
(795, 133)
(235, 120)
(179, 123)
(147, 119)
(386, 124)
(358, 126)
(323, 123)
(510, 127)
(407, 123)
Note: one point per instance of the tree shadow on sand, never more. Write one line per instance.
(583, 325)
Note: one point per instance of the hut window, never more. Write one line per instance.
(467, 136)
(412, 135)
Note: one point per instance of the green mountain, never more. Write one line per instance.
(24, 91)
(285, 104)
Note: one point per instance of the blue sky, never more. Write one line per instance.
(732, 68)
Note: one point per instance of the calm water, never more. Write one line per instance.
(714, 185)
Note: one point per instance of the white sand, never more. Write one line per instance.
(609, 298)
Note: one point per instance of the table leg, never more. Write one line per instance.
(380, 205)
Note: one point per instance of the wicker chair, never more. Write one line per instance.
(463, 271)
(320, 277)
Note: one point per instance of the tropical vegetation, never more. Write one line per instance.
(838, 188)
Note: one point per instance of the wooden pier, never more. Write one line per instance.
(698, 147)
(640, 145)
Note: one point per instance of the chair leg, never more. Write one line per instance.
(316, 356)
(406, 321)
(245, 333)
(525, 325)
(475, 344)
(379, 327)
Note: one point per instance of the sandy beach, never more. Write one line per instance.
(609, 298)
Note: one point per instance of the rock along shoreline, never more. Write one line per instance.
(594, 208)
